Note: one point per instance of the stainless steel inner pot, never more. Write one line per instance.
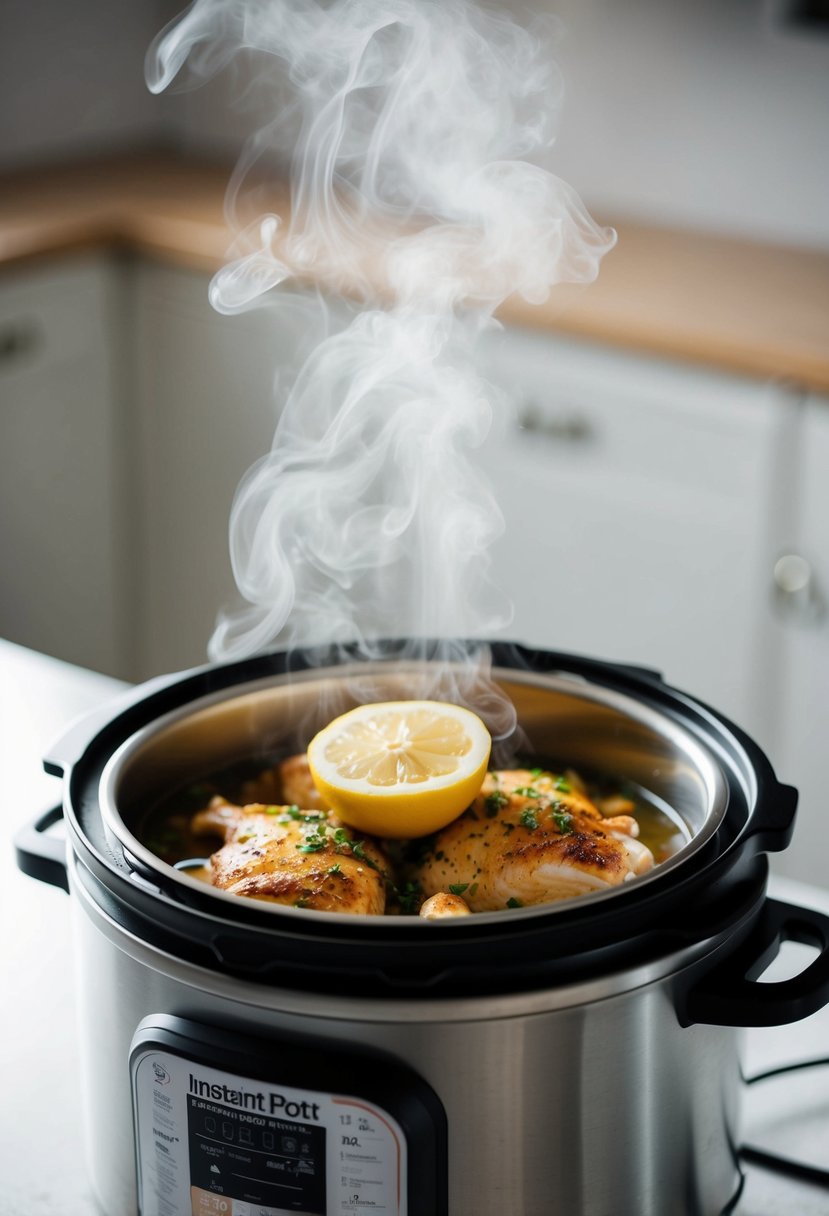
(562, 717)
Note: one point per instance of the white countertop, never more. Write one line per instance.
(41, 1155)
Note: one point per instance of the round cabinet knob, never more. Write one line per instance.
(797, 595)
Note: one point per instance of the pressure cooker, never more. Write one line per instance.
(579, 1057)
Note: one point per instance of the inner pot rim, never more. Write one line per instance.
(573, 684)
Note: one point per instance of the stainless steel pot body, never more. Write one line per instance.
(588, 1099)
(582, 1057)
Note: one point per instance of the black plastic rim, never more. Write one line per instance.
(704, 897)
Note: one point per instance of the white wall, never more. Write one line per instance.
(694, 113)
(72, 78)
(697, 113)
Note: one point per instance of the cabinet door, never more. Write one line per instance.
(641, 502)
(61, 511)
(802, 599)
(205, 412)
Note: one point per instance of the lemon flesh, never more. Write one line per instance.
(400, 768)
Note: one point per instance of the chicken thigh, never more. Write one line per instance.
(530, 838)
(285, 855)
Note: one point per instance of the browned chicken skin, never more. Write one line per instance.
(285, 855)
(530, 838)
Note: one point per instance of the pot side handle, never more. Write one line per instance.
(730, 994)
(40, 856)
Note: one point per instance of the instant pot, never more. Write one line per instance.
(581, 1057)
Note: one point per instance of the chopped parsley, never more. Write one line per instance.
(527, 791)
(458, 888)
(494, 802)
(409, 897)
(562, 784)
(358, 849)
(293, 813)
(473, 890)
(335, 869)
(512, 902)
(563, 820)
(301, 903)
(535, 773)
(529, 818)
(313, 844)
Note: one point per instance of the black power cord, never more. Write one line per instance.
(771, 1161)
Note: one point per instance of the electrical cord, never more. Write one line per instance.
(772, 1161)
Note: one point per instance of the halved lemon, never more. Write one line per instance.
(400, 768)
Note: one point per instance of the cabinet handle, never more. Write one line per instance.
(18, 339)
(795, 592)
(566, 427)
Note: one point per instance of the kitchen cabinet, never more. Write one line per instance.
(62, 507)
(802, 684)
(206, 409)
(644, 506)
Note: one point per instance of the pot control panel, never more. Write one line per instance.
(222, 1127)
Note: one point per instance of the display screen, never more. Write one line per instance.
(272, 1165)
(215, 1143)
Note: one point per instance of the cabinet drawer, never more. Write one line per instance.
(48, 317)
(584, 411)
(61, 483)
(642, 503)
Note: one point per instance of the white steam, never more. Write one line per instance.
(407, 122)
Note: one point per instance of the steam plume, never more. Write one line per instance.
(408, 125)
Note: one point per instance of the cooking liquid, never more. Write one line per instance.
(166, 829)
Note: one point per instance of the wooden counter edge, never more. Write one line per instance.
(170, 211)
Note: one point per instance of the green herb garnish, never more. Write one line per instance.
(529, 818)
(536, 772)
(562, 784)
(527, 791)
(512, 902)
(563, 821)
(358, 850)
(494, 802)
(315, 841)
(409, 897)
(458, 888)
(335, 869)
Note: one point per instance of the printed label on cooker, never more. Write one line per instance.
(213, 1144)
